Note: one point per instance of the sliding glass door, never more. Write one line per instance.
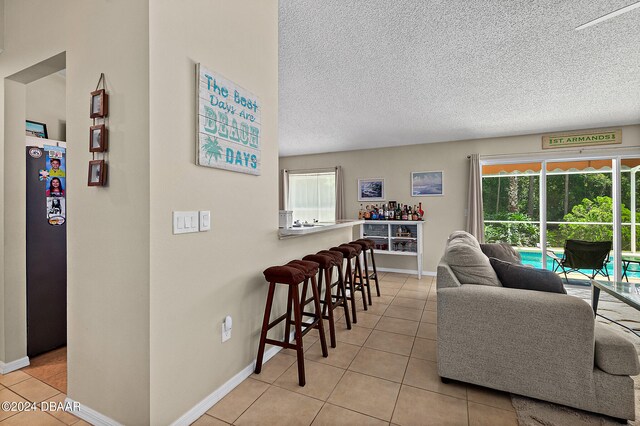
(532, 205)
(511, 203)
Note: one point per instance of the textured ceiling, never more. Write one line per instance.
(364, 74)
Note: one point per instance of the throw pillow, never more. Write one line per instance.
(519, 276)
(464, 236)
(501, 251)
(469, 264)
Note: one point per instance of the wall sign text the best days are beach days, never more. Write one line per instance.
(228, 133)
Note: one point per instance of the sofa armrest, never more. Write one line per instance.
(445, 276)
(527, 342)
(615, 354)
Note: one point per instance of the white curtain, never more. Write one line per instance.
(284, 189)
(340, 213)
(475, 214)
(312, 195)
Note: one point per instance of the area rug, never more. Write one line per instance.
(532, 412)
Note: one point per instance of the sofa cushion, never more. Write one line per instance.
(615, 354)
(469, 264)
(501, 251)
(464, 236)
(519, 276)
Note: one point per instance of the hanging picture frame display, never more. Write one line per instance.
(99, 104)
(228, 124)
(371, 189)
(97, 173)
(98, 141)
(427, 184)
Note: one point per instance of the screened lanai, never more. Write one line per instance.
(531, 205)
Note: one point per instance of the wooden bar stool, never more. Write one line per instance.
(358, 278)
(364, 246)
(351, 271)
(325, 264)
(371, 246)
(292, 274)
(340, 297)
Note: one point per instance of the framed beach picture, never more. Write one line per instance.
(427, 184)
(39, 130)
(371, 189)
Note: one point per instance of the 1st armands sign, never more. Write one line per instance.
(584, 138)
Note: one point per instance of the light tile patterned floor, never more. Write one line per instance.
(45, 380)
(383, 371)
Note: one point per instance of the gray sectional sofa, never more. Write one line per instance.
(532, 343)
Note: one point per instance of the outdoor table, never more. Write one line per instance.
(628, 261)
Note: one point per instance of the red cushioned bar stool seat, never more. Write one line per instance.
(293, 274)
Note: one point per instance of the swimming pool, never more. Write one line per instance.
(533, 258)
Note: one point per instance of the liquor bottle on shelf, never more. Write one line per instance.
(404, 213)
(420, 211)
(367, 213)
(415, 213)
(360, 213)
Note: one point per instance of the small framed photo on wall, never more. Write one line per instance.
(98, 138)
(99, 104)
(371, 189)
(97, 173)
(39, 130)
(427, 184)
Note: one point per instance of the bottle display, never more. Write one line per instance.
(391, 211)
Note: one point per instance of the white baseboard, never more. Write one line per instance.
(8, 367)
(405, 271)
(90, 415)
(203, 406)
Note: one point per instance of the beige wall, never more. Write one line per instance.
(443, 214)
(108, 230)
(46, 104)
(197, 279)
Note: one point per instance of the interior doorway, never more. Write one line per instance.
(38, 122)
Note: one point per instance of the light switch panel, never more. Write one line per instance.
(205, 220)
(185, 222)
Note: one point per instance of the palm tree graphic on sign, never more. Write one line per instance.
(212, 149)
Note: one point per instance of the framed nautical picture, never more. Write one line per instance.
(427, 184)
(371, 189)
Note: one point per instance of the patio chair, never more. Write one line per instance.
(578, 254)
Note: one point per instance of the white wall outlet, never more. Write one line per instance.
(226, 328)
(205, 220)
(185, 222)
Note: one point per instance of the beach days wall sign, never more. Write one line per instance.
(228, 133)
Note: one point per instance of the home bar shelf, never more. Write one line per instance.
(386, 234)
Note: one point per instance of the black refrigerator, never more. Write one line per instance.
(46, 249)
